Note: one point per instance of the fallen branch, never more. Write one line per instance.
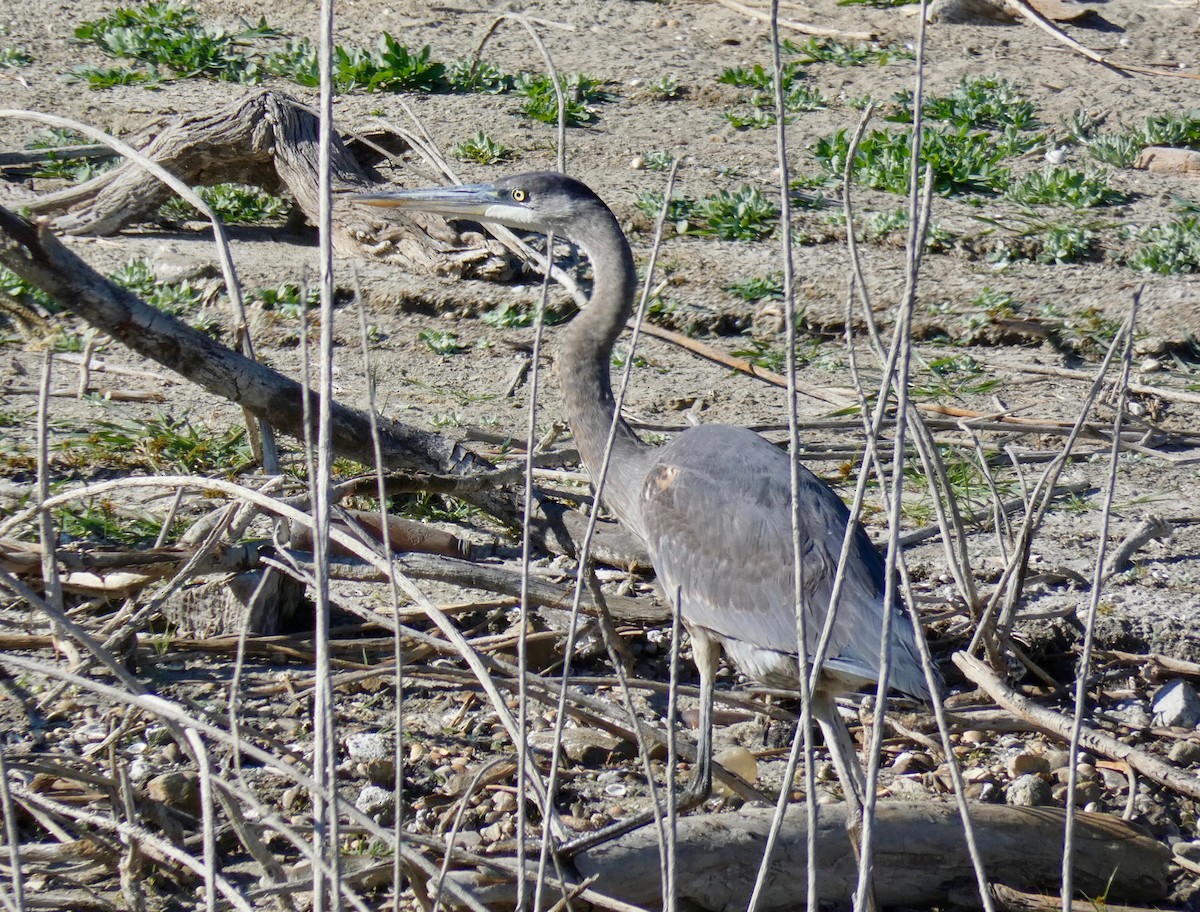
(920, 860)
(1059, 726)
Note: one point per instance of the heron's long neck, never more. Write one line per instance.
(584, 357)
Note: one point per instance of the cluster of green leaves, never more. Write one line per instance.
(1169, 248)
(975, 129)
(482, 149)
(977, 102)
(827, 50)
(1087, 331)
(745, 214)
(170, 35)
(164, 444)
(952, 376)
(11, 58)
(511, 316)
(390, 67)
(1065, 187)
(288, 300)
(580, 94)
(174, 298)
(441, 342)
(66, 167)
(236, 204)
(21, 292)
(759, 288)
(798, 96)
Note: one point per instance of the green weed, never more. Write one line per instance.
(163, 444)
(23, 293)
(1169, 248)
(482, 149)
(746, 214)
(679, 209)
(109, 77)
(1117, 149)
(170, 297)
(658, 161)
(981, 102)
(1065, 187)
(667, 89)
(171, 35)
(11, 58)
(759, 288)
(826, 50)
(1173, 130)
(442, 343)
(287, 300)
(580, 96)
(236, 204)
(105, 522)
(463, 75)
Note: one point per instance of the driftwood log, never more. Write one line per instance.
(270, 139)
(920, 859)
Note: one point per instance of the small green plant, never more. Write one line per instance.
(236, 204)
(996, 304)
(826, 50)
(1169, 248)
(443, 343)
(23, 293)
(761, 354)
(481, 149)
(759, 288)
(287, 300)
(67, 168)
(953, 376)
(164, 444)
(1065, 187)
(746, 214)
(1085, 331)
(667, 89)
(11, 58)
(109, 77)
(580, 95)
(391, 67)
(170, 297)
(978, 102)
(1117, 149)
(463, 75)
(1173, 130)
(170, 35)
(435, 507)
(1065, 243)
(658, 161)
(510, 316)
(681, 208)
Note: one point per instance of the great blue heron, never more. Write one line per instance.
(713, 506)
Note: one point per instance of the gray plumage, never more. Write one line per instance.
(714, 505)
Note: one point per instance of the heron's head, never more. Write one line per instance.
(539, 201)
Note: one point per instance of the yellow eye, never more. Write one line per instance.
(519, 195)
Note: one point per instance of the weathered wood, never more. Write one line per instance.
(270, 139)
(257, 602)
(920, 859)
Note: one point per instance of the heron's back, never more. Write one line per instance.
(716, 509)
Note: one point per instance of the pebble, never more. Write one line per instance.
(1057, 759)
(493, 832)
(1023, 764)
(373, 754)
(1185, 753)
(1085, 792)
(587, 746)
(737, 760)
(1028, 791)
(972, 736)
(912, 762)
(504, 802)
(180, 789)
(1189, 851)
(1132, 713)
(1176, 705)
(377, 803)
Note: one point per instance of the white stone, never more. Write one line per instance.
(1176, 705)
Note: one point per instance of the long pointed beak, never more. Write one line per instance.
(467, 201)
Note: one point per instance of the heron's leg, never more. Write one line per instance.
(849, 771)
(707, 653)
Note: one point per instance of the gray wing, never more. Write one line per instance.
(716, 506)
